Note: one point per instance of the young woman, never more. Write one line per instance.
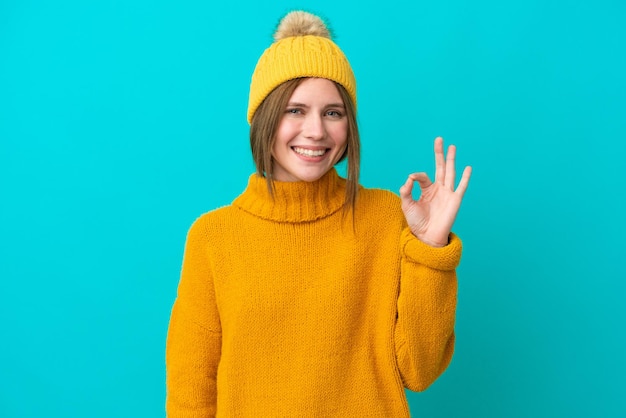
(309, 295)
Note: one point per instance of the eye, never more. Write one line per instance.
(293, 110)
(334, 114)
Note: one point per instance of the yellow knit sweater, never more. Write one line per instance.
(287, 309)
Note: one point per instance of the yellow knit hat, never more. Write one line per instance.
(302, 48)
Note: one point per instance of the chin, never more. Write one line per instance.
(300, 171)
(309, 176)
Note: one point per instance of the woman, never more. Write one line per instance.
(309, 295)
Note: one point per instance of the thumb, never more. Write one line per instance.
(422, 179)
(407, 189)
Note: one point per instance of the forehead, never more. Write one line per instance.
(316, 90)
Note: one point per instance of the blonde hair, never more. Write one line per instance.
(264, 126)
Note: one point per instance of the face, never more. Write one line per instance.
(312, 134)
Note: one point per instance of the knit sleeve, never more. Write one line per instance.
(424, 334)
(194, 335)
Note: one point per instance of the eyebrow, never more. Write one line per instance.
(296, 104)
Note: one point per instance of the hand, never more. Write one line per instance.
(432, 215)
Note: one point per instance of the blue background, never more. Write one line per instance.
(122, 121)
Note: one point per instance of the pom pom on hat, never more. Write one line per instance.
(302, 48)
(300, 23)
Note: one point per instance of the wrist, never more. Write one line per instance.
(433, 243)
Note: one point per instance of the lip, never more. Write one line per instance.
(310, 147)
(311, 158)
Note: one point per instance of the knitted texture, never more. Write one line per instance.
(287, 308)
(296, 57)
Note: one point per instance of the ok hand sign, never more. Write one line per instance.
(432, 215)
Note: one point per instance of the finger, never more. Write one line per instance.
(422, 180)
(467, 173)
(440, 163)
(407, 189)
(450, 169)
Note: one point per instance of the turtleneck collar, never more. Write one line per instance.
(298, 201)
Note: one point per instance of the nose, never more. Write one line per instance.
(313, 127)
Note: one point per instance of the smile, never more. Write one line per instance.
(310, 152)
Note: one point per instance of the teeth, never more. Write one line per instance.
(309, 152)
